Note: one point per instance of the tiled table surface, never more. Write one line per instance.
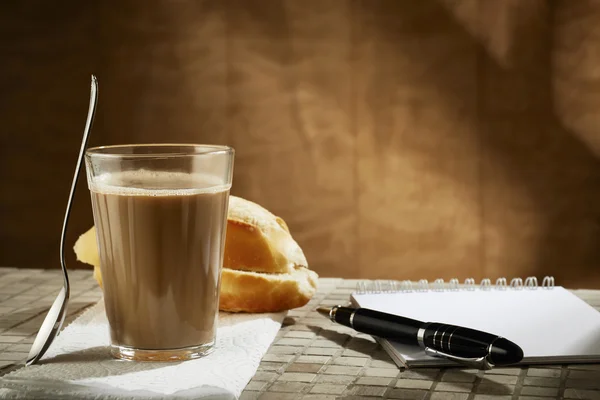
(311, 357)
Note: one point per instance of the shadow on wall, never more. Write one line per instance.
(537, 182)
(289, 119)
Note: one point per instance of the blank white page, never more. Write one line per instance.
(548, 324)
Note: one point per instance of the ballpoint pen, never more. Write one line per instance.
(466, 346)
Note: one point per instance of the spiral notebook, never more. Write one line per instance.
(550, 324)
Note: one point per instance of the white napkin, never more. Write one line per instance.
(78, 364)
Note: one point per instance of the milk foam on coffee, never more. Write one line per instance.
(156, 183)
(161, 238)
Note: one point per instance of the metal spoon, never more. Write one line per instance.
(56, 315)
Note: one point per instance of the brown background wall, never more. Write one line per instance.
(399, 139)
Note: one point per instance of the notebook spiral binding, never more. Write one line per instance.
(439, 285)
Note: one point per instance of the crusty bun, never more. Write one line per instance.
(264, 269)
(259, 241)
(258, 292)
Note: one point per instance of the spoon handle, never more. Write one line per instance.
(88, 124)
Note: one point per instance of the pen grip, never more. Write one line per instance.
(385, 325)
(459, 341)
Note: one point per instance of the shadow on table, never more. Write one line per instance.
(61, 374)
(25, 313)
(23, 317)
(354, 343)
(97, 361)
(460, 375)
(65, 372)
(91, 355)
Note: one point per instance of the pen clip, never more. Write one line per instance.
(478, 363)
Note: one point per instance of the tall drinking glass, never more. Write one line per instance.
(160, 212)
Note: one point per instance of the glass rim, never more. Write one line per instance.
(111, 151)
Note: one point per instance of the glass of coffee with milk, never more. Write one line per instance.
(160, 212)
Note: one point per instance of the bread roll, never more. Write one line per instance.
(259, 241)
(86, 251)
(259, 292)
(264, 269)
